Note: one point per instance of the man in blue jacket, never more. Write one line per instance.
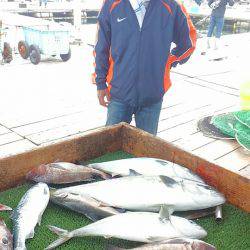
(133, 57)
(217, 19)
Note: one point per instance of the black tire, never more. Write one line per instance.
(66, 57)
(7, 53)
(35, 56)
(23, 49)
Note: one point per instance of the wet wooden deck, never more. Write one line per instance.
(53, 101)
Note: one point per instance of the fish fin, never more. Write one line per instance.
(107, 237)
(31, 234)
(12, 215)
(119, 210)
(156, 239)
(102, 204)
(177, 241)
(165, 212)
(57, 243)
(40, 219)
(5, 208)
(170, 182)
(58, 166)
(132, 172)
(63, 234)
(113, 175)
(57, 230)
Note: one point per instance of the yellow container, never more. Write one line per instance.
(245, 96)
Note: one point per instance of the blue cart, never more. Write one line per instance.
(44, 40)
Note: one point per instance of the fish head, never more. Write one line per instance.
(42, 189)
(188, 228)
(6, 240)
(210, 195)
(57, 196)
(204, 194)
(37, 174)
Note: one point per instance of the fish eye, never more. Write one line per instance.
(5, 241)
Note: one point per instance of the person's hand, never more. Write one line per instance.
(103, 97)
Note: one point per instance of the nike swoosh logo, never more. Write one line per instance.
(121, 19)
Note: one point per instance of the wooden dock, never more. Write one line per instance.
(53, 101)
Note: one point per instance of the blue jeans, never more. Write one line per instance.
(146, 118)
(217, 22)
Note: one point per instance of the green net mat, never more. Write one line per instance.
(243, 117)
(225, 123)
(242, 135)
(236, 124)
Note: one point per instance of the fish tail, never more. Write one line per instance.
(5, 208)
(64, 236)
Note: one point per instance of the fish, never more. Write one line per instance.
(63, 173)
(92, 209)
(28, 213)
(145, 227)
(148, 193)
(173, 244)
(5, 208)
(6, 239)
(146, 166)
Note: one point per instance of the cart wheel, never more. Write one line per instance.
(66, 57)
(7, 53)
(23, 49)
(35, 56)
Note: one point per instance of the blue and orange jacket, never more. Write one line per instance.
(135, 62)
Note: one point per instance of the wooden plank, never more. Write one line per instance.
(212, 86)
(236, 160)
(14, 168)
(178, 132)
(65, 131)
(180, 109)
(56, 123)
(4, 130)
(194, 141)
(216, 149)
(245, 171)
(234, 186)
(9, 137)
(16, 148)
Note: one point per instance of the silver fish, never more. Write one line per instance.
(6, 240)
(174, 244)
(28, 213)
(135, 226)
(146, 166)
(63, 172)
(148, 193)
(83, 204)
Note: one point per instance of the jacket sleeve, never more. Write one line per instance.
(102, 47)
(184, 36)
